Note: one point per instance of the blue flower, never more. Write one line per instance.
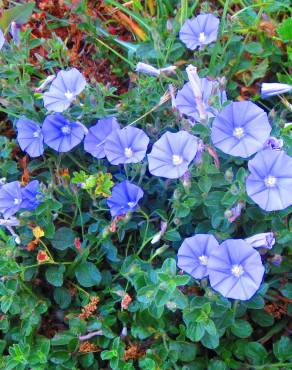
(235, 269)
(172, 154)
(30, 194)
(30, 137)
(193, 255)
(10, 199)
(199, 31)
(95, 139)
(128, 145)
(63, 90)
(125, 198)
(60, 134)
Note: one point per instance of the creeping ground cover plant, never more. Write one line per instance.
(145, 185)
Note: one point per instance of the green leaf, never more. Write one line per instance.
(241, 329)
(283, 349)
(256, 353)
(287, 290)
(172, 236)
(254, 48)
(54, 275)
(87, 274)
(210, 341)
(62, 297)
(19, 14)
(195, 331)
(217, 365)
(205, 184)
(108, 355)
(186, 352)
(59, 357)
(63, 238)
(285, 30)
(262, 318)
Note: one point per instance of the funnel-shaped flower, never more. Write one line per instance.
(172, 154)
(125, 198)
(30, 195)
(199, 31)
(10, 199)
(128, 145)
(60, 134)
(187, 103)
(235, 269)
(193, 255)
(95, 139)
(63, 90)
(30, 137)
(270, 181)
(241, 129)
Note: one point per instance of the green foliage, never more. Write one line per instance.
(107, 296)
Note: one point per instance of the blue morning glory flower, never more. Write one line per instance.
(60, 134)
(172, 154)
(128, 145)
(269, 183)
(199, 31)
(241, 129)
(30, 194)
(30, 137)
(63, 90)
(125, 198)
(10, 199)
(193, 255)
(235, 269)
(95, 139)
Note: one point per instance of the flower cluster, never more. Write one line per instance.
(234, 267)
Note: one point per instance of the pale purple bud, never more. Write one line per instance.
(262, 240)
(276, 259)
(228, 175)
(233, 213)
(157, 236)
(271, 89)
(45, 83)
(152, 71)
(12, 221)
(274, 143)
(200, 151)
(186, 179)
(195, 83)
(14, 31)
(171, 90)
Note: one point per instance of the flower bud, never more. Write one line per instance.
(262, 240)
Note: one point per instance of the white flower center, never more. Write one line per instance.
(202, 37)
(131, 204)
(177, 159)
(128, 152)
(238, 132)
(69, 95)
(237, 270)
(66, 129)
(16, 201)
(270, 181)
(203, 260)
(36, 134)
